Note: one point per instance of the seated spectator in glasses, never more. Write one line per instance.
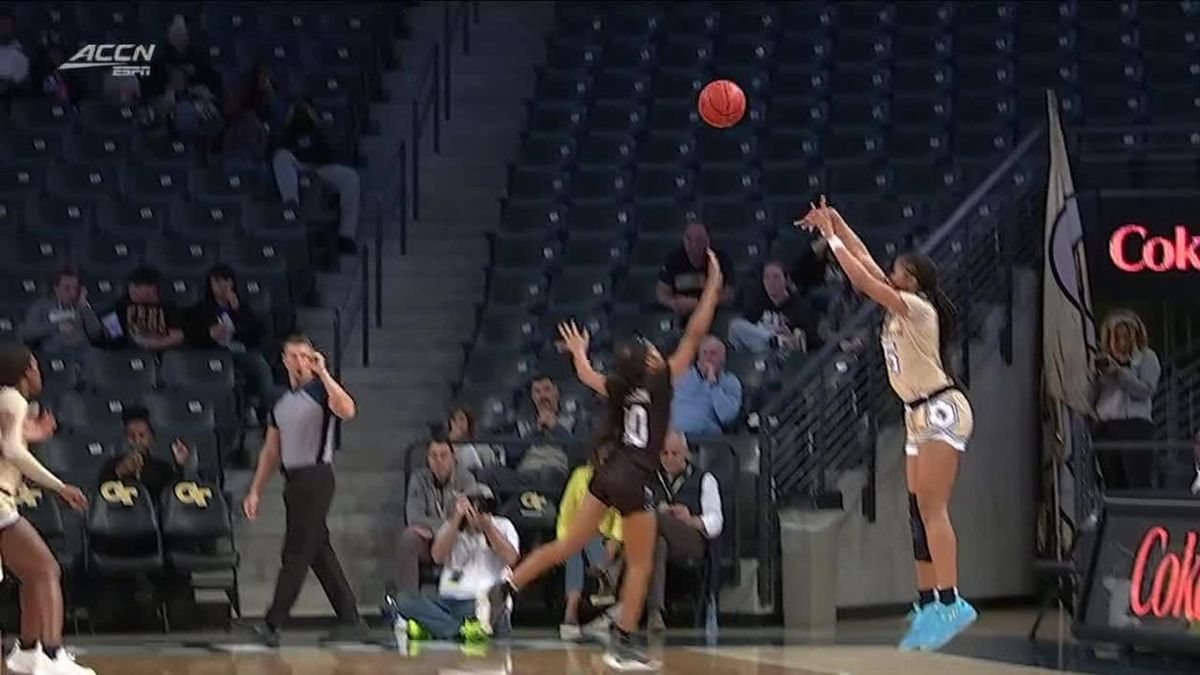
(460, 431)
(775, 318)
(222, 321)
(432, 492)
(141, 460)
(474, 549)
(183, 89)
(14, 65)
(707, 397)
(682, 275)
(142, 319)
(540, 466)
(601, 554)
(66, 87)
(302, 144)
(64, 321)
(689, 516)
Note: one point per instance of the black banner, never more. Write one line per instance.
(1142, 245)
(1143, 582)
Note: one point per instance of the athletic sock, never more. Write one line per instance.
(52, 652)
(925, 597)
(948, 596)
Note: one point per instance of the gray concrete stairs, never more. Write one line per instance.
(430, 295)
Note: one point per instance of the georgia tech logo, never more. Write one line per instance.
(115, 491)
(188, 492)
(532, 503)
(29, 497)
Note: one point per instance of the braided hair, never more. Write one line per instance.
(924, 270)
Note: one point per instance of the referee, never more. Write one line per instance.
(299, 440)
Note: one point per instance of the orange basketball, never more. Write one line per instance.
(722, 103)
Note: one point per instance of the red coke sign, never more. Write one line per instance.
(1133, 249)
(1174, 589)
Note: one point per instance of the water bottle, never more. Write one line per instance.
(400, 632)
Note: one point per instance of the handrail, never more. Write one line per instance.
(437, 67)
(865, 312)
(354, 305)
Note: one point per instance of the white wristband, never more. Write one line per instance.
(835, 243)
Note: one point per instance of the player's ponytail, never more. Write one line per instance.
(924, 270)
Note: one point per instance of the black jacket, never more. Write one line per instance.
(248, 328)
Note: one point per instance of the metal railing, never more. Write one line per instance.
(432, 95)
(352, 310)
(827, 417)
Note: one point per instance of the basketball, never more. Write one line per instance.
(722, 103)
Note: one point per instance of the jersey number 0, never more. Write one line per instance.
(637, 427)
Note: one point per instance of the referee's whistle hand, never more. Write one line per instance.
(250, 506)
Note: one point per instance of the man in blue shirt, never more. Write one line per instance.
(708, 397)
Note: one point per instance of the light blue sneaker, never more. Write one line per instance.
(918, 621)
(946, 623)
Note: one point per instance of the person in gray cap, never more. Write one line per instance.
(474, 548)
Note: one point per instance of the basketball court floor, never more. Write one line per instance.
(995, 646)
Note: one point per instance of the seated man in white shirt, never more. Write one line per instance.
(474, 548)
(689, 516)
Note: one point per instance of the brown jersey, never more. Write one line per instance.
(911, 350)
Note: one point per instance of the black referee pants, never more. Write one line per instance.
(307, 496)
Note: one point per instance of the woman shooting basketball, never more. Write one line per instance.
(919, 324)
(39, 649)
(639, 411)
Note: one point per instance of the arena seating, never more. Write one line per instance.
(894, 109)
(85, 184)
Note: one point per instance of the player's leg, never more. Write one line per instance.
(936, 472)
(492, 604)
(926, 575)
(640, 534)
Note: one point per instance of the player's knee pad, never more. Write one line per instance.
(917, 525)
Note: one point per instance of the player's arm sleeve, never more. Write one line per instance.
(710, 507)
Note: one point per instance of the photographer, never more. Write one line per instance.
(1125, 376)
(474, 548)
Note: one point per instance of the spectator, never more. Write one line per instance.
(541, 467)
(812, 270)
(601, 552)
(708, 397)
(141, 318)
(843, 305)
(460, 431)
(302, 145)
(682, 275)
(775, 317)
(222, 321)
(14, 65)
(1124, 379)
(1195, 488)
(432, 492)
(140, 460)
(64, 321)
(62, 86)
(251, 112)
(184, 89)
(474, 549)
(689, 516)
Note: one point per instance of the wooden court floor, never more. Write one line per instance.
(789, 660)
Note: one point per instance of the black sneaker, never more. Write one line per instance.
(491, 606)
(624, 656)
(261, 631)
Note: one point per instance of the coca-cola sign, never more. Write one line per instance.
(1143, 579)
(1132, 248)
(1172, 590)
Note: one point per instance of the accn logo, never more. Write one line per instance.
(1131, 249)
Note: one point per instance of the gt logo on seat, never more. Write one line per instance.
(532, 501)
(29, 496)
(115, 491)
(188, 492)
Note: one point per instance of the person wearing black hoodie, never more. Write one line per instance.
(222, 321)
(302, 145)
